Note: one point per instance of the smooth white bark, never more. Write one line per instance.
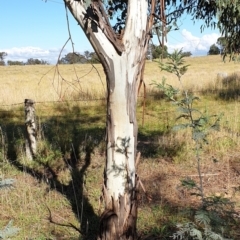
(120, 149)
(123, 72)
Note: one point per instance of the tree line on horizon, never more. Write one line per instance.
(70, 58)
(154, 52)
(30, 61)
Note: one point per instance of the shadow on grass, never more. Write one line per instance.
(227, 88)
(158, 215)
(68, 144)
(157, 144)
(230, 87)
(70, 140)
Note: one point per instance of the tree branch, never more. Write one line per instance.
(50, 218)
(105, 26)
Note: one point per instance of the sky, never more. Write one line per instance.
(38, 29)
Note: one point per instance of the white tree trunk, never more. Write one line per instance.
(119, 187)
(123, 61)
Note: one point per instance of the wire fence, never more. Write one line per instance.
(92, 102)
(163, 117)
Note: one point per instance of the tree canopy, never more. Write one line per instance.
(214, 50)
(165, 12)
(77, 58)
(2, 56)
(223, 14)
(159, 52)
(229, 24)
(35, 61)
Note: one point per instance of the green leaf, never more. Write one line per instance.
(8, 231)
(196, 234)
(6, 183)
(183, 110)
(181, 126)
(198, 136)
(202, 217)
(188, 183)
(210, 235)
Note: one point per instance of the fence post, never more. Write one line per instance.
(31, 130)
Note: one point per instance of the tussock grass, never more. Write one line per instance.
(66, 176)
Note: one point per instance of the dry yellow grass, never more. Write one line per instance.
(42, 83)
(201, 73)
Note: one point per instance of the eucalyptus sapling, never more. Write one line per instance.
(201, 123)
(215, 215)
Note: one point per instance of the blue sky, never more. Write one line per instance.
(38, 29)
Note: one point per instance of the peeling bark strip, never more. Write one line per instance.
(31, 130)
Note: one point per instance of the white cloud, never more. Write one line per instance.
(193, 44)
(189, 42)
(24, 53)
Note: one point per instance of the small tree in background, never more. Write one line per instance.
(159, 52)
(186, 54)
(214, 50)
(73, 58)
(2, 56)
(87, 54)
(35, 61)
(93, 58)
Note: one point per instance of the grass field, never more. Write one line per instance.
(42, 83)
(63, 186)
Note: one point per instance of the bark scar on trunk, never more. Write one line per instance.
(109, 220)
(119, 223)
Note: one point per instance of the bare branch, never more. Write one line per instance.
(50, 218)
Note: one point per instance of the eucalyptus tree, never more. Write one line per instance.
(119, 31)
(122, 54)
